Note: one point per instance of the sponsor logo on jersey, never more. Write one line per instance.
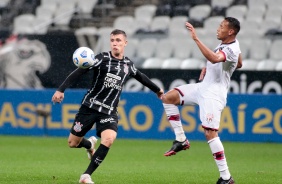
(93, 101)
(77, 127)
(112, 81)
(111, 120)
(113, 76)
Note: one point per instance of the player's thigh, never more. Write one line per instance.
(106, 122)
(188, 94)
(210, 113)
(84, 121)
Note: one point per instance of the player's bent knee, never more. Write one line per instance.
(171, 97)
(72, 144)
(210, 134)
(73, 140)
(108, 137)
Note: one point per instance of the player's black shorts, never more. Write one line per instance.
(87, 117)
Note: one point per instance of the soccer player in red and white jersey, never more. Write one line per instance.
(210, 94)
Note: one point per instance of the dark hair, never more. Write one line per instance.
(233, 24)
(118, 31)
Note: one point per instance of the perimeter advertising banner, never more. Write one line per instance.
(251, 118)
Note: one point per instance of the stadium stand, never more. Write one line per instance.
(164, 49)
(182, 48)
(275, 53)
(131, 48)
(23, 24)
(278, 67)
(249, 64)
(84, 33)
(199, 13)
(219, 6)
(126, 23)
(171, 63)
(155, 28)
(145, 12)
(160, 24)
(266, 65)
(152, 63)
(192, 63)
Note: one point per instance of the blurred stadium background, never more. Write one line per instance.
(38, 38)
(157, 36)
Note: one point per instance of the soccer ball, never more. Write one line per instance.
(83, 57)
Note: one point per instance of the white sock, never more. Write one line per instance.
(173, 115)
(219, 157)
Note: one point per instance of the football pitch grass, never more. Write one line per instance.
(44, 160)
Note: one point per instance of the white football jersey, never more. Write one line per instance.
(216, 82)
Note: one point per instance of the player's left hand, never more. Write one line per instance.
(160, 94)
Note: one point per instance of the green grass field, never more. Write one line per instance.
(40, 160)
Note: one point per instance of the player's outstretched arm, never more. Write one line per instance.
(71, 78)
(59, 94)
(208, 53)
(143, 79)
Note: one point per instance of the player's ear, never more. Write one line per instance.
(231, 32)
(125, 43)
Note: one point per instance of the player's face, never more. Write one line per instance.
(118, 42)
(223, 30)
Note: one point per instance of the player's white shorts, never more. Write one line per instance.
(210, 109)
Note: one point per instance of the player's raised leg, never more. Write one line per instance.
(78, 142)
(170, 100)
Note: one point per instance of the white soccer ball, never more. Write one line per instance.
(83, 57)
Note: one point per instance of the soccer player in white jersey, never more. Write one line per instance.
(210, 94)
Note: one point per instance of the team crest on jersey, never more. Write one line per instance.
(125, 68)
(209, 117)
(77, 127)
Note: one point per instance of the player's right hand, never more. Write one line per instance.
(191, 28)
(58, 97)
(160, 94)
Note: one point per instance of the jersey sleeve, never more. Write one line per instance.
(143, 79)
(97, 60)
(231, 53)
(133, 69)
(71, 78)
